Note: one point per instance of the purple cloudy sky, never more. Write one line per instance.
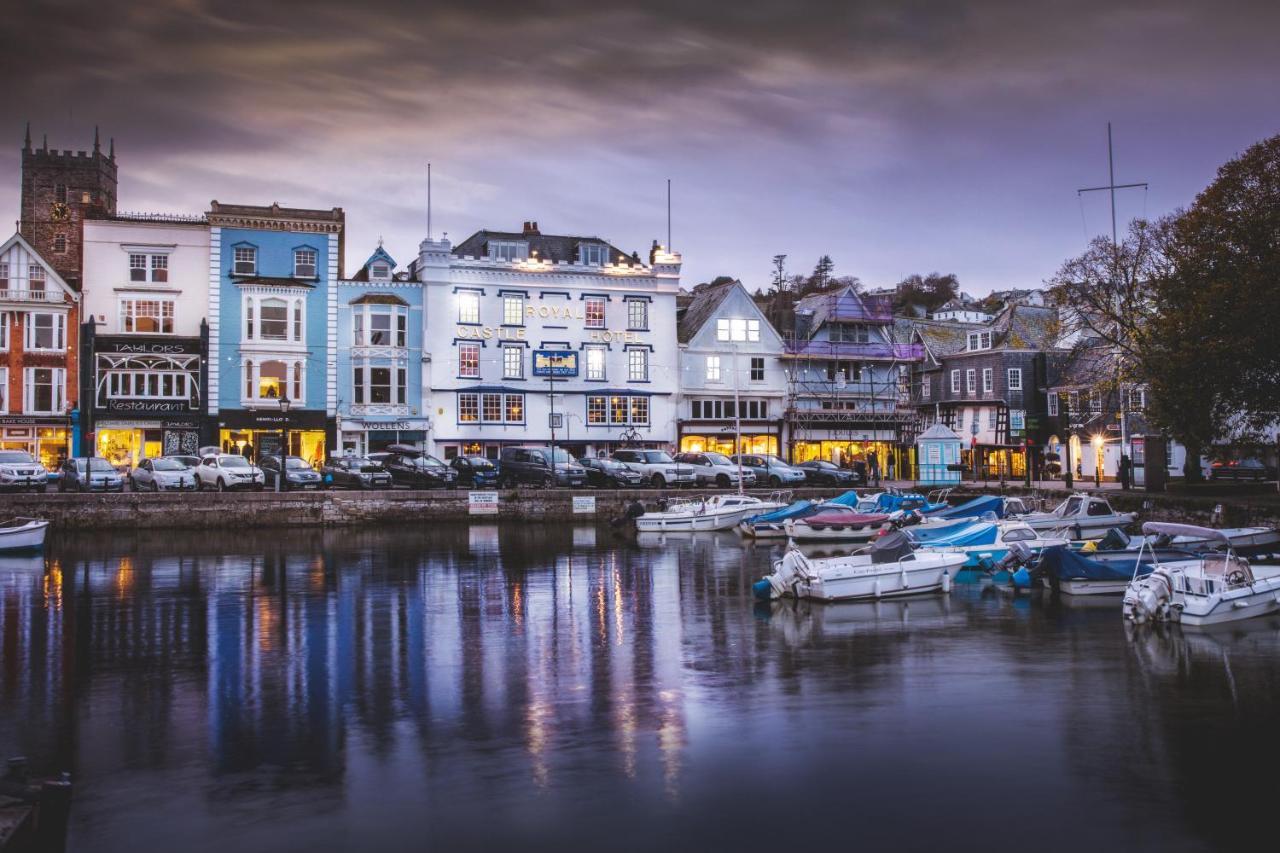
(896, 136)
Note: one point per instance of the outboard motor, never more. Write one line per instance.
(1017, 562)
(1114, 540)
(792, 568)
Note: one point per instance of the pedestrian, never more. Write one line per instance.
(1126, 470)
(873, 468)
(248, 451)
(891, 470)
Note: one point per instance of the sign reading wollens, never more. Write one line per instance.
(555, 362)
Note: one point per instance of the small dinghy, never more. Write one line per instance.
(718, 512)
(888, 569)
(1210, 589)
(22, 534)
(835, 524)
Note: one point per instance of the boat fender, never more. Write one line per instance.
(946, 581)
(875, 588)
(902, 579)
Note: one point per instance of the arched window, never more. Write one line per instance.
(274, 319)
(272, 379)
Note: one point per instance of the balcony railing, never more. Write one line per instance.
(854, 351)
(10, 294)
(374, 409)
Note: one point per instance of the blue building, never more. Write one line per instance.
(273, 327)
(379, 356)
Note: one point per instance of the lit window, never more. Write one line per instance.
(246, 260)
(618, 410)
(1015, 379)
(513, 310)
(513, 362)
(594, 313)
(637, 365)
(737, 329)
(639, 410)
(468, 408)
(515, 409)
(468, 307)
(713, 368)
(273, 377)
(304, 263)
(595, 363)
(597, 412)
(469, 360)
(491, 407)
(146, 316)
(637, 314)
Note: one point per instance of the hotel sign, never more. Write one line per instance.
(555, 362)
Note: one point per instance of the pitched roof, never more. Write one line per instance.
(939, 431)
(844, 305)
(1027, 327)
(50, 274)
(942, 338)
(704, 304)
(546, 247)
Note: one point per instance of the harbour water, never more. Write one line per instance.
(485, 687)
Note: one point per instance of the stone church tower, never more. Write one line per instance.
(59, 190)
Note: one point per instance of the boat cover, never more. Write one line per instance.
(892, 547)
(790, 511)
(971, 509)
(892, 503)
(841, 515)
(931, 534)
(849, 498)
(1067, 564)
(982, 533)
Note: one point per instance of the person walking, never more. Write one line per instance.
(873, 468)
(891, 470)
(1126, 471)
(248, 451)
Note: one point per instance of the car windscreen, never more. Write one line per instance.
(480, 463)
(296, 463)
(101, 466)
(562, 456)
(15, 457)
(718, 459)
(773, 461)
(828, 465)
(234, 462)
(167, 465)
(657, 456)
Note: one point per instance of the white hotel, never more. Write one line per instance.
(502, 307)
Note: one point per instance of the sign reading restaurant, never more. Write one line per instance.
(555, 362)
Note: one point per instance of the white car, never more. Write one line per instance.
(657, 467)
(716, 469)
(19, 470)
(227, 471)
(164, 473)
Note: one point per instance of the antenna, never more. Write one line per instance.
(1111, 187)
(669, 248)
(428, 201)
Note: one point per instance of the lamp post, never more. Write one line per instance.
(284, 441)
(1097, 460)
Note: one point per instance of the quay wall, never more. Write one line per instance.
(339, 508)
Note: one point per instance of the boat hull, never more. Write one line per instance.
(872, 582)
(28, 537)
(716, 520)
(832, 533)
(1078, 530)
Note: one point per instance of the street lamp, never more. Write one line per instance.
(285, 403)
(1097, 460)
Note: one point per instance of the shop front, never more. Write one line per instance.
(844, 451)
(47, 439)
(255, 433)
(362, 436)
(703, 437)
(126, 442)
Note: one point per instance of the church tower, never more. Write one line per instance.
(60, 189)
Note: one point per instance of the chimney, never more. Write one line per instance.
(531, 229)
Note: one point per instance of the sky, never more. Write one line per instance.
(898, 137)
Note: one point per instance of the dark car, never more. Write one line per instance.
(90, 474)
(770, 470)
(356, 472)
(1239, 469)
(413, 469)
(475, 472)
(298, 475)
(820, 472)
(610, 474)
(534, 466)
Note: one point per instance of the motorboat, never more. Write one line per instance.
(718, 512)
(1080, 517)
(830, 524)
(888, 569)
(769, 525)
(1245, 541)
(998, 506)
(987, 543)
(1073, 571)
(22, 534)
(1210, 589)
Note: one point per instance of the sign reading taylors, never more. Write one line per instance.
(133, 345)
(555, 362)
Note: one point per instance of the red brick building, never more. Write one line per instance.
(39, 348)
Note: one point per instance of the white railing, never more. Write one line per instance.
(368, 409)
(13, 295)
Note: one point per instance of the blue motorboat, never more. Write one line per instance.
(976, 508)
(1076, 572)
(987, 543)
(769, 525)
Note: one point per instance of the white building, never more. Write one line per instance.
(731, 374)
(145, 297)
(533, 337)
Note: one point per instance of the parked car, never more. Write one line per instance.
(228, 471)
(164, 473)
(610, 474)
(355, 472)
(1240, 469)
(770, 470)
(820, 472)
(715, 469)
(475, 472)
(657, 467)
(19, 470)
(298, 475)
(189, 461)
(413, 469)
(90, 474)
(535, 466)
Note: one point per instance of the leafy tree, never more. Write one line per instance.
(822, 272)
(929, 292)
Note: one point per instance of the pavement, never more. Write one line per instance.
(1086, 483)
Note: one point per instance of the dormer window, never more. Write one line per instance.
(593, 253)
(508, 250)
(381, 271)
(246, 260)
(979, 340)
(304, 263)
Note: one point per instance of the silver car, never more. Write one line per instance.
(165, 473)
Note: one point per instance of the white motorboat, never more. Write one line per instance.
(888, 569)
(1245, 541)
(1209, 589)
(23, 534)
(1079, 517)
(718, 512)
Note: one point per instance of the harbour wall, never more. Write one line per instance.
(206, 511)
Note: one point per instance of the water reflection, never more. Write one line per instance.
(488, 685)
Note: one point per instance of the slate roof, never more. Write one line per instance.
(942, 338)
(1027, 327)
(554, 247)
(704, 305)
(845, 306)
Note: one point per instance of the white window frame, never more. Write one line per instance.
(1095, 402)
(637, 364)
(512, 362)
(4, 331)
(601, 403)
(988, 380)
(300, 262)
(596, 254)
(127, 384)
(739, 329)
(4, 390)
(1142, 400)
(508, 250)
(468, 397)
(637, 315)
(596, 372)
(59, 327)
(246, 256)
(971, 381)
(58, 396)
(127, 311)
(362, 384)
(1014, 378)
(595, 322)
(512, 309)
(955, 382)
(1052, 404)
(295, 317)
(924, 387)
(469, 347)
(468, 307)
(362, 325)
(713, 368)
(751, 368)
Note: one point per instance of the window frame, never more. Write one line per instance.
(637, 315)
(468, 302)
(757, 368)
(971, 381)
(1013, 379)
(57, 391)
(468, 368)
(58, 331)
(299, 262)
(512, 355)
(244, 255)
(955, 381)
(591, 318)
(508, 301)
(637, 357)
(127, 314)
(592, 351)
(988, 380)
(712, 364)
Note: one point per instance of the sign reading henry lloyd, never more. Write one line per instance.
(555, 362)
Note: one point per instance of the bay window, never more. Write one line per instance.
(468, 408)
(640, 410)
(618, 410)
(491, 408)
(596, 411)
(146, 315)
(380, 326)
(274, 317)
(273, 320)
(515, 409)
(382, 384)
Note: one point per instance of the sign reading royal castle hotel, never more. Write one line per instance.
(498, 298)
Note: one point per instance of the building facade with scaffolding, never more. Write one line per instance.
(848, 371)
